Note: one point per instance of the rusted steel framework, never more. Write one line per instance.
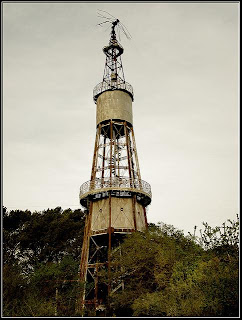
(115, 197)
(113, 77)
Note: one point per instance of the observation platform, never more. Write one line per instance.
(110, 86)
(119, 187)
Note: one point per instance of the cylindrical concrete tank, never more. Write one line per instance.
(125, 214)
(114, 104)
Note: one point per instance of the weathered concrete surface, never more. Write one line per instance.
(115, 104)
(140, 217)
(121, 214)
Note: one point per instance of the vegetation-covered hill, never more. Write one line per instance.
(165, 273)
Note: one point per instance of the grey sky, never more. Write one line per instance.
(183, 64)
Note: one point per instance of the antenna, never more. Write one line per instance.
(115, 22)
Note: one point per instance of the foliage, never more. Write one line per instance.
(148, 263)
(164, 273)
(168, 274)
(41, 254)
(42, 236)
(14, 286)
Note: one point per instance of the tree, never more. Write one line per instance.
(14, 285)
(42, 236)
(55, 285)
(169, 274)
(147, 263)
(164, 272)
(40, 250)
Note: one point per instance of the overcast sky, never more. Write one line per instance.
(182, 62)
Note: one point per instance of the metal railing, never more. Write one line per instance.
(112, 85)
(126, 183)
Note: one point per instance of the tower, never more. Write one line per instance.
(115, 197)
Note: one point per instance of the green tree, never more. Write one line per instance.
(55, 285)
(14, 286)
(164, 272)
(41, 253)
(147, 263)
(42, 236)
(169, 274)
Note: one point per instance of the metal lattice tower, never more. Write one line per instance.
(115, 198)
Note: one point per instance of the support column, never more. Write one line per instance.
(85, 256)
(129, 156)
(94, 162)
